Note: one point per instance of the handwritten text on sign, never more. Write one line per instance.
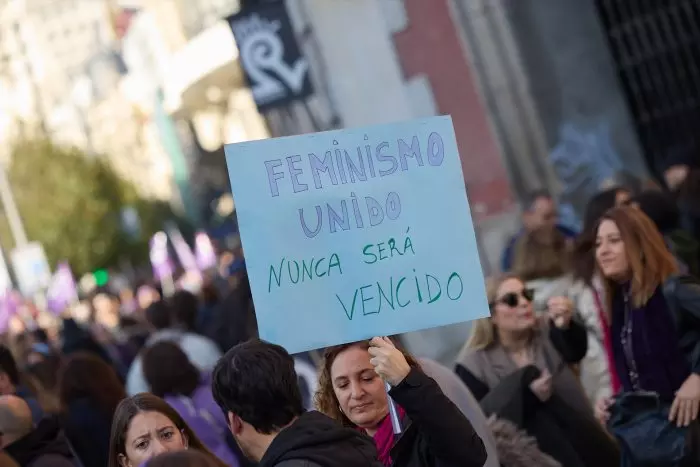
(355, 233)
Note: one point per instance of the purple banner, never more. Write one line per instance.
(160, 257)
(10, 302)
(204, 251)
(62, 291)
(182, 250)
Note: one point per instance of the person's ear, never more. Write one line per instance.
(235, 424)
(185, 439)
(123, 461)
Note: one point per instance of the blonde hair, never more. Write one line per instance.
(649, 260)
(482, 334)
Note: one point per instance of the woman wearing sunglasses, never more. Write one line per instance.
(517, 365)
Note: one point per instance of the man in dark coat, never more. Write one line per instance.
(43, 446)
(256, 386)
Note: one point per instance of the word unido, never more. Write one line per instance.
(304, 270)
(400, 292)
(378, 251)
(338, 166)
(375, 213)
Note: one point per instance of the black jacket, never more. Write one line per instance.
(88, 430)
(315, 440)
(436, 433)
(682, 294)
(46, 446)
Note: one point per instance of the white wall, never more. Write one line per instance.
(364, 77)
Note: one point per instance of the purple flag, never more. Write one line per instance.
(204, 251)
(183, 250)
(160, 257)
(7, 310)
(62, 291)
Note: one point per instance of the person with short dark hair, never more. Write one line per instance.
(11, 384)
(42, 446)
(539, 214)
(185, 308)
(172, 376)
(257, 388)
(200, 350)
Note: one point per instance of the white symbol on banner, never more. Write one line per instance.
(263, 52)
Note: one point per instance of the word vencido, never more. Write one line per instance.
(400, 291)
(341, 166)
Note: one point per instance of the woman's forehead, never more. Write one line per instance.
(509, 285)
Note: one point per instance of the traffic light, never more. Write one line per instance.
(101, 277)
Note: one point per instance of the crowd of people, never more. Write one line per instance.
(590, 357)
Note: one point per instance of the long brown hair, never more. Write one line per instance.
(541, 255)
(145, 402)
(649, 259)
(325, 400)
(87, 376)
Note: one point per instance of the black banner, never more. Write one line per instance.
(274, 66)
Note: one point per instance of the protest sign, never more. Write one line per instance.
(356, 233)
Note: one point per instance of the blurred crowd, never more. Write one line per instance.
(590, 357)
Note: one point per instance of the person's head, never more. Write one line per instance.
(512, 314)
(629, 248)
(349, 389)
(168, 370)
(542, 254)
(660, 208)
(145, 426)
(185, 307)
(187, 458)
(106, 309)
(159, 315)
(43, 366)
(626, 183)
(9, 374)
(15, 420)
(675, 175)
(540, 211)
(256, 386)
(583, 257)
(87, 376)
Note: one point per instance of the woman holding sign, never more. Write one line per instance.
(434, 430)
(518, 365)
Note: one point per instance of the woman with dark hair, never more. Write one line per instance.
(145, 426)
(173, 377)
(352, 390)
(655, 330)
(90, 391)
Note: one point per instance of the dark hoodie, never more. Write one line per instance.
(46, 446)
(315, 440)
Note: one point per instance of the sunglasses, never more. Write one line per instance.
(511, 299)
